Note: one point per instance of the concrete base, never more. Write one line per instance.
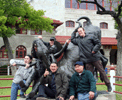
(102, 95)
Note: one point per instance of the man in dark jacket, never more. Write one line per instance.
(83, 83)
(89, 45)
(57, 84)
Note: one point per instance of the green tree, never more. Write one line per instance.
(19, 12)
(117, 17)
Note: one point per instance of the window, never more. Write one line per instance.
(36, 33)
(3, 52)
(20, 51)
(70, 24)
(20, 30)
(109, 5)
(67, 4)
(104, 25)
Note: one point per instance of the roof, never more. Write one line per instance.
(104, 40)
(55, 23)
(108, 41)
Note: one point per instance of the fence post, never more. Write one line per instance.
(112, 79)
(8, 70)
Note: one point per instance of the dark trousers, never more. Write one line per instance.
(45, 91)
(99, 66)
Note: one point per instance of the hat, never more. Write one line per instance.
(52, 39)
(79, 63)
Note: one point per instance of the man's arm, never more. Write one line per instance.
(46, 43)
(44, 77)
(97, 44)
(92, 85)
(72, 87)
(74, 40)
(14, 62)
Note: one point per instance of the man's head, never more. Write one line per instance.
(53, 67)
(52, 39)
(79, 67)
(28, 59)
(81, 32)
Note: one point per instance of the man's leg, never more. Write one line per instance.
(83, 96)
(22, 93)
(14, 91)
(45, 92)
(25, 86)
(99, 67)
(90, 67)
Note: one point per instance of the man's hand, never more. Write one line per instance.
(27, 65)
(93, 52)
(40, 37)
(14, 64)
(68, 41)
(71, 97)
(91, 95)
(46, 73)
(60, 98)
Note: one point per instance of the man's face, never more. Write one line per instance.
(53, 67)
(79, 68)
(81, 32)
(27, 60)
(51, 42)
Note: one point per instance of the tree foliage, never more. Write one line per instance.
(19, 12)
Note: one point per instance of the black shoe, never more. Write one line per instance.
(22, 96)
(30, 95)
(109, 88)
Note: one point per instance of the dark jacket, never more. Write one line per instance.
(86, 45)
(52, 49)
(85, 84)
(61, 82)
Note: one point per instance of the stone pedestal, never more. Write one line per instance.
(101, 96)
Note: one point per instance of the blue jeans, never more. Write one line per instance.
(85, 96)
(14, 90)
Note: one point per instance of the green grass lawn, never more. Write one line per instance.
(4, 83)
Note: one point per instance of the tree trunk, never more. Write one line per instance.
(10, 54)
(119, 56)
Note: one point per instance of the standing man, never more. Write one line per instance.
(21, 74)
(89, 46)
(57, 84)
(82, 83)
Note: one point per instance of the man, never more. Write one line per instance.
(57, 84)
(82, 83)
(21, 74)
(52, 45)
(89, 46)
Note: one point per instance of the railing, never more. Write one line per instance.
(112, 80)
(5, 71)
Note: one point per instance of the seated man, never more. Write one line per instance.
(57, 84)
(21, 74)
(83, 83)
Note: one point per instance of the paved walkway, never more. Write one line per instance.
(102, 95)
